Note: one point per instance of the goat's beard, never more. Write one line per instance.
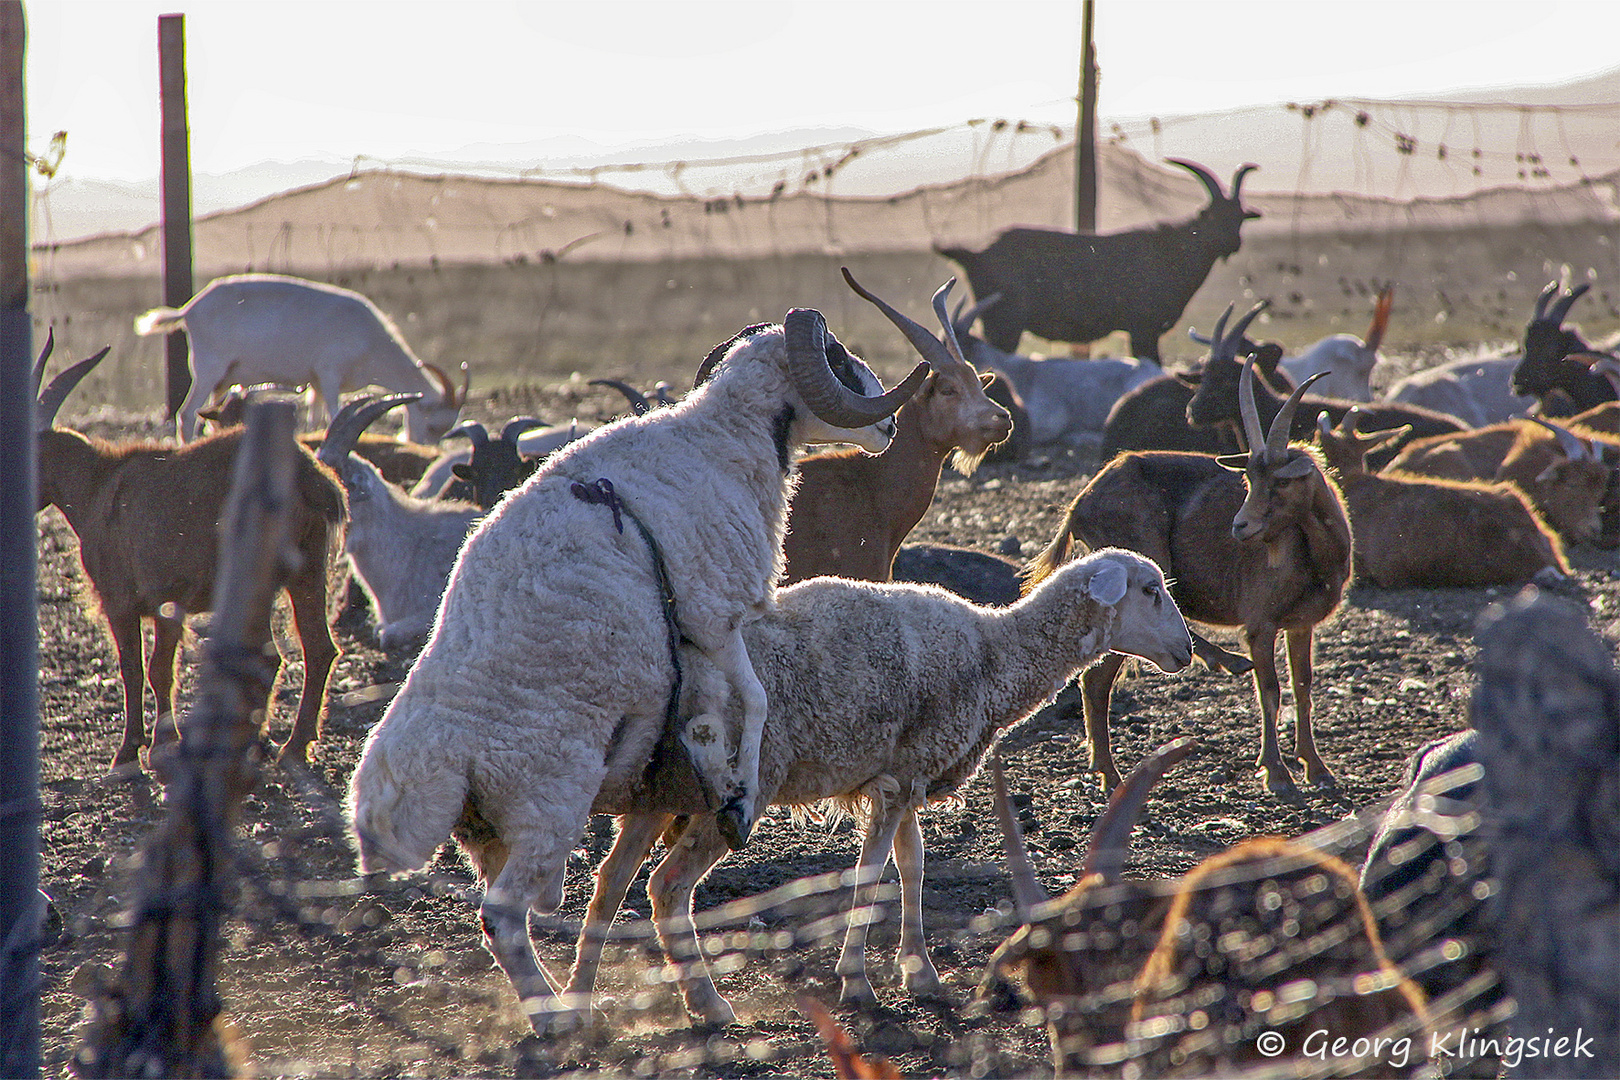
(964, 462)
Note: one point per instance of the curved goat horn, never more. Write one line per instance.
(1207, 178)
(1253, 434)
(1237, 179)
(1547, 294)
(44, 355)
(938, 355)
(807, 341)
(962, 321)
(1233, 342)
(1574, 447)
(516, 426)
(50, 401)
(718, 353)
(1027, 891)
(1380, 319)
(473, 431)
(1110, 836)
(638, 401)
(1560, 310)
(351, 421)
(1277, 437)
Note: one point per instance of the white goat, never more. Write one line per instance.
(269, 328)
(556, 638)
(887, 694)
(401, 548)
(1477, 391)
(1348, 359)
(1067, 399)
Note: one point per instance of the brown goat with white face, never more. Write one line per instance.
(147, 517)
(1270, 553)
(1185, 976)
(853, 510)
(1414, 532)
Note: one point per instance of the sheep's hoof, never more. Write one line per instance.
(733, 822)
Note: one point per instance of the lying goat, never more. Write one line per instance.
(1557, 365)
(1270, 553)
(1188, 977)
(147, 518)
(886, 695)
(1417, 533)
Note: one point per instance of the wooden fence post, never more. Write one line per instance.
(160, 1019)
(177, 283)
(21, 906)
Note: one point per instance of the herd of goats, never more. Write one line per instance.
(681, 618)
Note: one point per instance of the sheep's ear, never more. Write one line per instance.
(1108, 584)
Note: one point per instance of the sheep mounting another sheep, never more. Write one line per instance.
(552, 665)
(270, 328)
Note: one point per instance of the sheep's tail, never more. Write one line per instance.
(161, 320)
(403, 800)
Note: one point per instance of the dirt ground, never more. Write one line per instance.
(323, 975)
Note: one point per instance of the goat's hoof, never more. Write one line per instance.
(734, 823)
(1318, 775)
(857, 990)
(1278, 780)
(1108, 778)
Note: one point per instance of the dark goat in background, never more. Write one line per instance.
(1216, 400)
(1066, 286)
(1557, 360)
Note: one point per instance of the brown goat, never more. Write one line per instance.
(147, 517)
(1184, 976)
(1561, 468)
(853, 510)
(1274, 557)
(400, 461)
(1415, 532)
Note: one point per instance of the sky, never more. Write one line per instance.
(398, 80)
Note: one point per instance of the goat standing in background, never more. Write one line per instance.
(1066, 286)
(853, 510)
(147, 518)
(270, 328)
(1270, 553)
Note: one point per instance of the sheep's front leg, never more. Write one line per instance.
(1263, 651)
(504, 916)
(736, 785)
(1299, 672)
(917, 973)
(875, 848)
(670, 889)
(637, 833)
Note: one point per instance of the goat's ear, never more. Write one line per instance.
(1108, 583)
(986, 378)
(1233, 462)
(1190, 379)
(462, 471)
(1298, 467)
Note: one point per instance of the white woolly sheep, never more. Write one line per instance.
(270, 328)
(552, 641)
(401, 548)
(887, 694)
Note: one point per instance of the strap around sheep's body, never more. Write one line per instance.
(601, 493)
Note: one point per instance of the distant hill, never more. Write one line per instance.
(1396, 151)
